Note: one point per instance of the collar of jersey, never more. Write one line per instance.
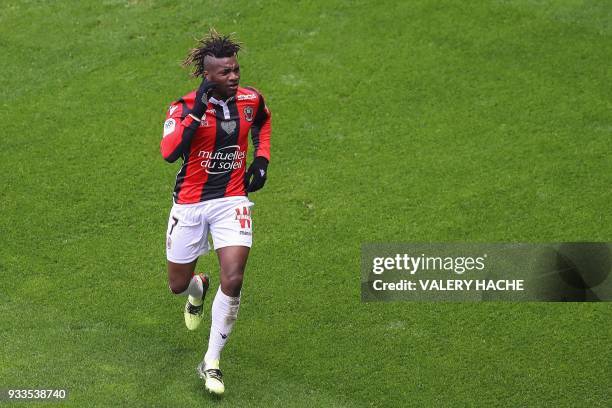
(223, 104)
(220, 102)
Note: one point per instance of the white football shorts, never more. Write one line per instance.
(228, 220)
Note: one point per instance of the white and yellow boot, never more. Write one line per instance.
(194, 307)
(212, 376)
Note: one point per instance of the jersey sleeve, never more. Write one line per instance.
(261, 129)
(179, 129)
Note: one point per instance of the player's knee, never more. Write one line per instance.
(179, 276)
(232, 284)
(177, 286)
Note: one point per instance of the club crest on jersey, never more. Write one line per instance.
(248, 113)
(229, 126)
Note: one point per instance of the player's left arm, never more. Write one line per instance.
(261, 130)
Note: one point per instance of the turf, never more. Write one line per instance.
(484, 121)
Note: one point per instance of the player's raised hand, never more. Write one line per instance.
(256, 175)
(201, 98)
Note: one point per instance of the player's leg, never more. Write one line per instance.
(231, 231)
(185, 241)
(232, 262)
(180, 276)
(183, 281)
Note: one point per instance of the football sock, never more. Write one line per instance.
(224, 314)
(195, 290)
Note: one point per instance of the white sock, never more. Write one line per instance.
(195, 290)
(224, 314)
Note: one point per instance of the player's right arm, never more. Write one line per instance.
(181, 123)
(179, 129)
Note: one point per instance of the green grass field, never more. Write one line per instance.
(423, 121)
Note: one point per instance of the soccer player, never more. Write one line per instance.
(208, 129)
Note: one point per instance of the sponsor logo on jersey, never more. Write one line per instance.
(246, 97)
(248, 113)
(169, 126)
(222, 161)
(171, 109)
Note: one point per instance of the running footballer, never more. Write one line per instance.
(208, 130)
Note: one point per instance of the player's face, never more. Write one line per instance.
(226, 73)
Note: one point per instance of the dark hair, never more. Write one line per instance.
(213, 45)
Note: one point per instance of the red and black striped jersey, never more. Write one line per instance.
(215, 160)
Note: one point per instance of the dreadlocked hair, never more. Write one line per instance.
(213, 45)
